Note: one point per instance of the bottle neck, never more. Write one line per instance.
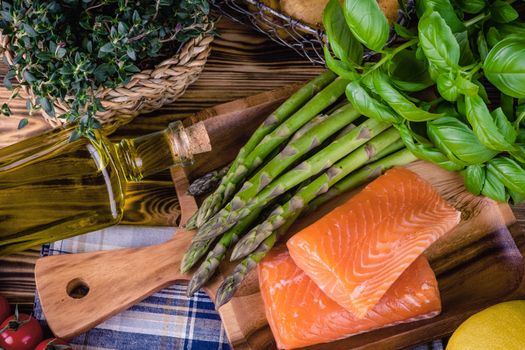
(152, 153)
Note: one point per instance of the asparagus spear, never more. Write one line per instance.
(320, 185)
(265, 146)
(230, 285)
(362, 176)
(217, 254)
(237, 209)
(239, 167)
(295, 150)
(196, 251)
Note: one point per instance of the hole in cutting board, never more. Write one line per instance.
(77, 288)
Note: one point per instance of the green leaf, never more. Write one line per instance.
(509, 172)
(507, 104)
(399, 103)
(504, 126)
(474, 178)
(438, 43)
(60, 52)
(28, 76)
(23, 122)
(342, 42)
(47, 106)
(445, 10)
(504, 66)
(483, 48)
(466, 87)
(472, 6)
(404, 32)
(106, 48)
(6, 110)
(29, 30)
(426, 151)
(483, 124)
(457, 141)
(369, 106)
(367, 22)
(493, 36)
(466, 56)
(131, 53)
(447, 88)
(502, 12)
(494, 188)
(409, 73)
(342, 69)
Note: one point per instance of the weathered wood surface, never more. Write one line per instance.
(242, 63)
(477, 264)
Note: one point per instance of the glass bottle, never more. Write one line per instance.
(51, 188)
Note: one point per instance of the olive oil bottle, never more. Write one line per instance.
(51, 188)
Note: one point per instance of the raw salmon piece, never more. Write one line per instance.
(300, 314)
(358, 250)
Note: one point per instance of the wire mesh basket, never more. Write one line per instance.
(304, 39)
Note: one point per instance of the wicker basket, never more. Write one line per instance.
(306, 40)
(146, 91)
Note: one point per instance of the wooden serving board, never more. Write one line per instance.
(477, 264)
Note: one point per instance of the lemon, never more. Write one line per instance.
(501, 326)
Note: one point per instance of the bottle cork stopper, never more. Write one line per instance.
(199, 139)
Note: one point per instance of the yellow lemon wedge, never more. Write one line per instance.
(501, 326)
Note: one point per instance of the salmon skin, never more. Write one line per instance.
(300, 314)
(359, 249)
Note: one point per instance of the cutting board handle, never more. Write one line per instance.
(79, 291)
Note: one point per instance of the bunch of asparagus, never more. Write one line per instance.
(308, 151)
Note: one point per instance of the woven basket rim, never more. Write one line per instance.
(194, 49)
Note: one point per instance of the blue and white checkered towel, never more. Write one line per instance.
(166, 320)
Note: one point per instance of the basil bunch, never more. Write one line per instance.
(456, 52)
(65, 50)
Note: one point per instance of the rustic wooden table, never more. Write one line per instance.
(242, 63)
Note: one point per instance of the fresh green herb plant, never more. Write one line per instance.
(65, 50)
(453, 51)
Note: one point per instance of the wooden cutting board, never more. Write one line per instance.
(477, 264)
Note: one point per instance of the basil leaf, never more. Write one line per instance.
(509, 172)
(514, 28)
(504, 66)
(403, 32)
(439, 44)
(504, 126)
(369, 106)
(507, 104)
(474, 178)
(466, 56)
(465, 86)
(502, 12)
(425, 151)
(23, 123)
(447, 87)
(517, 198)
(340, 68)
(483, 48)
(457, 141)
(483, 124)
(342, 42)
(399, 103)
(472, 6)
(493, 188)
(367, 23)
(493, 36)
(409, 73)
(445, 10)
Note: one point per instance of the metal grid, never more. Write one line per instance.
(306, 40)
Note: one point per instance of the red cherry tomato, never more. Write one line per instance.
(20, 333)
(5, 310)
(53, 344)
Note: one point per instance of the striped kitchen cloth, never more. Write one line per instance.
(165, 320)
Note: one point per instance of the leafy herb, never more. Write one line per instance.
(65, 50)
(455, 51)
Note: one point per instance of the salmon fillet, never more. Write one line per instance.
(300, 314)
(359, 249)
